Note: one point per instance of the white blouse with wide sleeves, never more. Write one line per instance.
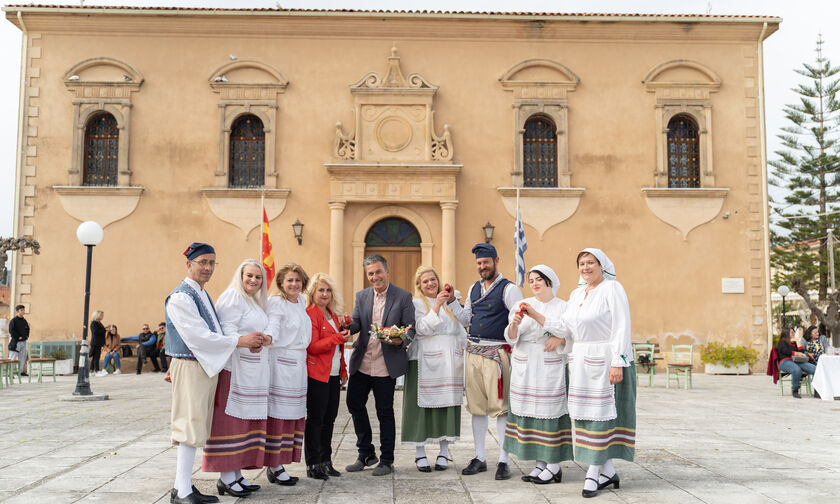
(291, 330)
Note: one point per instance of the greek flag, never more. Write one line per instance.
(521, 246)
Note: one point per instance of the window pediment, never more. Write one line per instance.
(682, 79)
(102, 72)
(539, 78)
(233, 78)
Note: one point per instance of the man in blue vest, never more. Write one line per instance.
(487, 361)
(199, 350)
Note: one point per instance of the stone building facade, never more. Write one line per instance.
(403, 133)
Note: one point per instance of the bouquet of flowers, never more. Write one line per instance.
(389, 333)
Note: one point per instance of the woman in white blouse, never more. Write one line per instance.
(538, 425)
(291, 329)
(602, 377)
(241, 406)
(434, 384)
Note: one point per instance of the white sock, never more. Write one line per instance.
(229, 477)
(549, 471)
(183, 469)
(593, 472)
(607, 472)
(238, 474)
(421, 452)
(538, 469)
(444, 452)
(283, 476)
(479, 426)
(501, 425)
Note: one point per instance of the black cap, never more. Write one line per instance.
(196, 249)
(484, 250)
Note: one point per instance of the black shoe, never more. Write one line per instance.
(361, 463)
(475, 466)
(502, 471)
(613, 480)
(816, 395)
(250, 488)
(192, 498)
(795, 394)
(555, 478)
(426, 468)
(274, 477)
(329, 469)
(382, 469)
(207, 499)
(23, 374)
(315, 471)
(441, 467)
(223, 487)
(590, 493)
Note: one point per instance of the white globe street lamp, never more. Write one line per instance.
(783, 291)
(89, 234)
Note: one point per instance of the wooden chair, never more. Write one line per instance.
(8, 369)
(683, 356)
(785, 377)
(649, 350)
(41, 362)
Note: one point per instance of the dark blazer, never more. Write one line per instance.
(399, 311)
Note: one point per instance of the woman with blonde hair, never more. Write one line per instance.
(237, 436)
(291, 330)
(434, 383)
(327, 373)
(97, 340)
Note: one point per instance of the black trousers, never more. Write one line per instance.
(142, 353)
(95, 351)
(358, 390)
(164, 364)
(321, 409)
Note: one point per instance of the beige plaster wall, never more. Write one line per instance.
(674, 284)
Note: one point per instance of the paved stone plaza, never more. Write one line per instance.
(731, 439)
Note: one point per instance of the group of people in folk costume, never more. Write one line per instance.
(255, 376)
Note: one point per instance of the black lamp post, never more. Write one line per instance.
(90, 234)
(297, 227)
(488, 232)
(783, 291)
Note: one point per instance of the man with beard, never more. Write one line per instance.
(487, 359)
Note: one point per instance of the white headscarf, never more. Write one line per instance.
(550, 274)
(606, 264)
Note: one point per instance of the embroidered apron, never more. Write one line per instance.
(440, 365)
(249, 374)
(287, 392)
(537, 381)
(591, 396)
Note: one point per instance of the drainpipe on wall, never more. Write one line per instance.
(18, 219)
(765, 196)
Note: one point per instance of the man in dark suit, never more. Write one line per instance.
(375, 364)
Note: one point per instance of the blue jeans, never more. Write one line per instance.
(796, 369)
(108, 359)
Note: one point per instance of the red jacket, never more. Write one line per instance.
(319, 354)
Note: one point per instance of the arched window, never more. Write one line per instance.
(540, 152)
(683, 152)
(102, 139)
(392, 232)
(247, 152)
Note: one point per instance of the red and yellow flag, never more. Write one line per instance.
(267, 253)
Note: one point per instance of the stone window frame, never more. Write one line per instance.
(691, 98)
(238, 98)
(547, 98)
(94, 98)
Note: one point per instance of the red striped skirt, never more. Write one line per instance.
(236, 444)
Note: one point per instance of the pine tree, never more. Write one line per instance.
(806, 172)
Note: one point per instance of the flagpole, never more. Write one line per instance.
(262, 211)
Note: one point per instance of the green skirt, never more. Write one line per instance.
(546, 439)
(422, 426)
(599, 441)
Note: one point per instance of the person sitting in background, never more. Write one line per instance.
(788, 354)
(112, 350)
(147, 348)
(161, 337)
(814, 343)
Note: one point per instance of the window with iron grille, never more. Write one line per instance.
(683, 152)
(102, 140)
(247, 152)
(540, 152)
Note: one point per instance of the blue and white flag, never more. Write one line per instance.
(520, 244)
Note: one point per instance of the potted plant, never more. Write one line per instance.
(63, 362)
(720, 358)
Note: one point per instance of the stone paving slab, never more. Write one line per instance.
(732, 439)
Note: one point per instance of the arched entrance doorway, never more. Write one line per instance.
(398, 241)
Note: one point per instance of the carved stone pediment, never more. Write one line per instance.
(682, 79)
(393, 120)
